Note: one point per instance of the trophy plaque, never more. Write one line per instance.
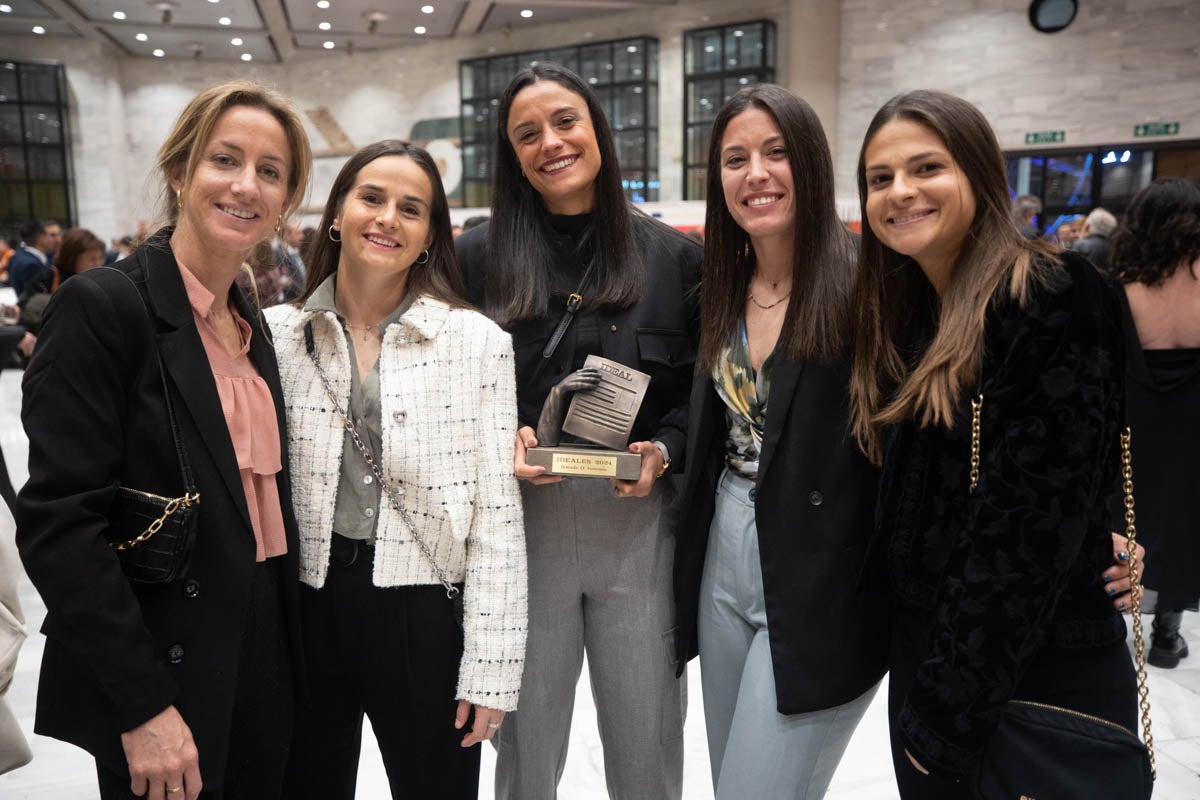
(605, 401)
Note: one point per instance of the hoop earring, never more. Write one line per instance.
(179, 199)
(330, 232)
(279, 223)
(423, 260)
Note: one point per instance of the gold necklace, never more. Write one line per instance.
(770, 305)
(367, 330)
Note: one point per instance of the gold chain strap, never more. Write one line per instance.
(976, 413)
(173, 505)
(1139, 642)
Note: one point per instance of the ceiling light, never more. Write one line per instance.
(214, 1)
(419, 30)
(247, 57)
(739, 34)
(527, 13)
(426, 9)
(225, 21)
(329, 45)
(322, 3)
(324, 26)
(631, 49)
(141, 37)
(5, 8)
(39, 30)
(118, 15)
(159, 53)
(236, 41)
(373, 20)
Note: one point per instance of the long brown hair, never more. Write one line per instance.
(439, 276)
(520, 255)
(995, 262)
(75, 243)
(815, 324)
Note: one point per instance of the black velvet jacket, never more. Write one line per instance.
(1016, 564)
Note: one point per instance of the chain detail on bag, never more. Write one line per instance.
(393, 492)
(1139, 642)
(1135, 574)
(173, 504)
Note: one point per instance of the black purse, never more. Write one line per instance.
(1039, 751)
(153, 535)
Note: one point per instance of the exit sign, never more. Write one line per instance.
(1045, 137)
(1157, 129)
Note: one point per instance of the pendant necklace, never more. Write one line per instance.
(769, 306)
(367, 330)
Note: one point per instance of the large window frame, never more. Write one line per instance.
(622, 72)
(35, 146)
(718, 60)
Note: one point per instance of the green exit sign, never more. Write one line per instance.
(1157, 129)
(1045, 137)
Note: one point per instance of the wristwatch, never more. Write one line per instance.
(666, 454)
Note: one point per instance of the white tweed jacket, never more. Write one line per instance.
(449, 411)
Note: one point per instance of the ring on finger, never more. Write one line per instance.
(174, 789)
(493, 725)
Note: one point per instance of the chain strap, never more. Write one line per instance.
(976, 414)
(1139, 642)
(394, 493)
(173, 505)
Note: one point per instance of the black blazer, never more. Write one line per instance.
(119, 653)
(815, 513)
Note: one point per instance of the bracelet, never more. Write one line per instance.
(662, 448)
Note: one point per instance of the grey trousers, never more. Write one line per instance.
(599, 581)
(755, 751)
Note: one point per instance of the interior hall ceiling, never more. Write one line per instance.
(282, 30)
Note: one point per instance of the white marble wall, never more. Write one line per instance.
(1122, 62)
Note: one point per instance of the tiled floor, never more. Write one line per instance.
(61, 772)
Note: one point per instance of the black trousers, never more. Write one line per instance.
(262, 706)
(1096, 680)
(393, 654)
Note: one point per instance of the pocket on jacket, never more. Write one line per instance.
(664, 346)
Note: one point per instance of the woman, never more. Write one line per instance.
(80, 251)
(994, 561)
(381, 332)
(178, 686)
(1156, 255)
(789, 663)
(599, 553)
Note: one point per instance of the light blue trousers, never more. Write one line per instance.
(755, 751)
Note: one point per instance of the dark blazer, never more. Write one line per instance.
(118, 653)
(815, 513)
(656, 335)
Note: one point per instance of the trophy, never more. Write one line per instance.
(605, 398)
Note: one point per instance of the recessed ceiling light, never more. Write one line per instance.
(214, 1)
(739, 34)
(247, 57)
(419, 30)
(329, 45)
(141, 37)
(225, 21)
(39, 30)
(324, 26)
(5, 8)
(236, 41)
(426, 9)
(159, 53)
(322, 3)
(631, 49)
(118, 15)
(527, 13)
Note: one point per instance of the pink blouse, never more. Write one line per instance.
(250, 416)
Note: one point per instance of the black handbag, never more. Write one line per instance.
(1044, 752)
(153, 535)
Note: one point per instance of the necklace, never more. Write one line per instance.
(770, 305)
(367, 330)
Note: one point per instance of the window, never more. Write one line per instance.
(716, 63)
(35, 181)
(624, 75)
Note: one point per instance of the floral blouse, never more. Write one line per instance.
(745, 395)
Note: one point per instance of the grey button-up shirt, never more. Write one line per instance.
(356, 512)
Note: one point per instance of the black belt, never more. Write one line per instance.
(345, 552)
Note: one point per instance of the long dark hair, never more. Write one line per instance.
(815, 325)
(440, 276)
(995, 261)
(1161, 230)
(520, 258)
